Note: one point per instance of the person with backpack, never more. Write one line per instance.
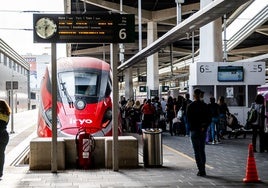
(258, 125)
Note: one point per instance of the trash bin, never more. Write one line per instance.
(152, 147)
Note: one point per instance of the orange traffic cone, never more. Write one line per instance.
(251, 172)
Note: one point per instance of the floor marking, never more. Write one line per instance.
(184, 155)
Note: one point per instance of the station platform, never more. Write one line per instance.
(226, 165)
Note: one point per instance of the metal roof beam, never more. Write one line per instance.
(146, 15)
(204, 16)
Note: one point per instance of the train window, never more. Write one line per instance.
(79, 83)
(86, 84)
(108, 90)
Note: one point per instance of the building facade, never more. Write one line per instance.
(14, 79)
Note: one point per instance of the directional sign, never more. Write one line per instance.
(84, 28)
(15, 85)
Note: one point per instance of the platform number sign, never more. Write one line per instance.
(204, 68)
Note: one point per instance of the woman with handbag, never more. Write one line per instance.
(258, 125)
(170, 114)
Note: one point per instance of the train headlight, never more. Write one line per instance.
(80, 104)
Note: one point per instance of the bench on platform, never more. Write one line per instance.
(40, 153)
(127, 152)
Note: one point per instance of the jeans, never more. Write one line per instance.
(187, 128)
(198, 139)
(255, 133)
(213, 123)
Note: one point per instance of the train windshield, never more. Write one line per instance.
(79, 83)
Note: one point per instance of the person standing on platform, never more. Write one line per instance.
(214, 128)
(4, 136)
(163, 105)
(199, 117)
(148, 111)
(184, 107)
(170, 114)
(224, 110)
(258, 126)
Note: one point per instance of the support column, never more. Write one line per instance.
(152, 61)
(211, 39)
(129, 94)
(128, 73)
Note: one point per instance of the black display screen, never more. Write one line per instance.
(230, 74)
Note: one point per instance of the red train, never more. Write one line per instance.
(83, 101)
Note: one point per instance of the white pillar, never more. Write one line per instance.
(152, 61)
(210, 39)
(129, 84)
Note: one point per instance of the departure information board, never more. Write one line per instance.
(84, 28)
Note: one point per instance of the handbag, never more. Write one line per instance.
(175, 120)
(180, 113)
(252, 115)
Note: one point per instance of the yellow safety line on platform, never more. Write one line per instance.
(184, 155)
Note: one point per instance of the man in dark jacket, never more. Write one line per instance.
(199, 117)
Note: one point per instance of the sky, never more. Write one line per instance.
(13, 23)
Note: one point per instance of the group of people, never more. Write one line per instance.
(204, 118)
(154, 113)
(218, 125)
(136, 116)
(173, 106)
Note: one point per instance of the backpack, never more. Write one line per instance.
(252, 115)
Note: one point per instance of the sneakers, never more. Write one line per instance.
(216, 142)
